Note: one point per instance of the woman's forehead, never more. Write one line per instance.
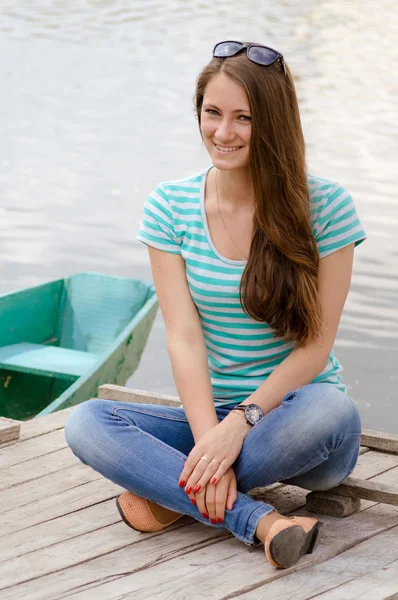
(223, 89)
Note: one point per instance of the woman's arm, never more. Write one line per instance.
(304, 363)
(185, 341)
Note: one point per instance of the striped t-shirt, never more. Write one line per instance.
(241, 352)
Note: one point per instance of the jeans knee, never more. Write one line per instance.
(77, 428)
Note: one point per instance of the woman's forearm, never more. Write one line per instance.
(192, 379)
(299, 368)
(302, 365)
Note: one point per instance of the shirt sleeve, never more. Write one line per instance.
(157, 226)
(336, 222)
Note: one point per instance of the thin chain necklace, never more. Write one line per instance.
(225, 227)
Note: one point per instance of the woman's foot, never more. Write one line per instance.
(287, 539)
(142, 514)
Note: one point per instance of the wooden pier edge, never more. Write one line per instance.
(340, 501)
(9, 430)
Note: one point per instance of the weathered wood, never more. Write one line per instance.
(371, 555)
(373, 463)
(368, 490)
(327, 503)
(217, 569)
(379, 440)
(123, 394)
(377, 585)
(116, 540)
(41, 426)
(9, 429)
(31, 470)
(55, 504)
(25, 451)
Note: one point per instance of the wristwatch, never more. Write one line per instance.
(252, 412)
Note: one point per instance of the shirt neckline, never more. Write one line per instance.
(206, 227)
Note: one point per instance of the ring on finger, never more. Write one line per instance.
(205, 458)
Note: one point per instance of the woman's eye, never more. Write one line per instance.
(244, 118)
(211, 111)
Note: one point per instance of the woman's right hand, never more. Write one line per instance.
(213, 499)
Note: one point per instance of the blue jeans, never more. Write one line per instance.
(311, 440)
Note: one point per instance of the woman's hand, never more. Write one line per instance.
(221, 445)
(212, 500)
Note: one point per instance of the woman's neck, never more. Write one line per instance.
(235, 187)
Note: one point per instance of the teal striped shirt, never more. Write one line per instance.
(242, 352)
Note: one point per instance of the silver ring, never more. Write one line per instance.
(205, 458)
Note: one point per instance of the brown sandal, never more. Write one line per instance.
(287, 542)
(136, 513)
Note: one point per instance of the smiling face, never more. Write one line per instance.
(225, 123)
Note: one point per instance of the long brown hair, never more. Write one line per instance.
(279, 285)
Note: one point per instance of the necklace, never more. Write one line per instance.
(225, 227)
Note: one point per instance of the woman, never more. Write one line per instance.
(252, 262)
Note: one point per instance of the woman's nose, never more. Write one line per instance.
(225, 131)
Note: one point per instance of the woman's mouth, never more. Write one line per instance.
(227, 149)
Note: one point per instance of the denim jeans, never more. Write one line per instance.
(311, 440)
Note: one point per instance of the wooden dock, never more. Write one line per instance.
(62, 537)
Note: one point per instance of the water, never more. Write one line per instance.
(96, 108)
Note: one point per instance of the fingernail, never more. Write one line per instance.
(213, 521)
(197, 488)
(213, 480)
(204, 515)
(181, 483)
(188, 489)
(219, 520)
(193, 501)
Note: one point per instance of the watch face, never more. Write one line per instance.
(253, 413)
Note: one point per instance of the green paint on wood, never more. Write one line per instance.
(60, 340)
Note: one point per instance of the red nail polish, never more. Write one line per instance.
(193, 501)
(213, 480)
(188, 489)
(204, 515)
(181, 483)
(219, 520)
(213, 521)
(197, 488)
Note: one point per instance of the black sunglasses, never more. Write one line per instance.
(261, 55)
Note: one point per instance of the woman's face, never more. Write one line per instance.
(226, 123)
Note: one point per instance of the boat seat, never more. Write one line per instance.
(51, 361)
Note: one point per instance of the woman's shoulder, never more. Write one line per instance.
(186, 188)
(325, 195)
(320, 187)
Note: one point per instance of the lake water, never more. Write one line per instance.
(96, 108)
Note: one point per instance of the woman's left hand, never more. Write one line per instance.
(221, 445)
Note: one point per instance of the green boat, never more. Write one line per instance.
(59, 341)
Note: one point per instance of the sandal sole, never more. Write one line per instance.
(288, 546)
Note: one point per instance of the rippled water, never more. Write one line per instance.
(96, 108)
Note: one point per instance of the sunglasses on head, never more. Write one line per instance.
(261, 55)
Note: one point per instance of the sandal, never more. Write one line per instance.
(286, 542)
(136, 513)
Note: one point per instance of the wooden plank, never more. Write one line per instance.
(218, 570)
(388, 442)
(41, 426)
(123, 394)
(9, 429)
(116, 540)
(328, 578)
(377, 585)
(29, 470)
(374, 463)
(32, 448)
(368, 490)
(56, 503)
(71, 525)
